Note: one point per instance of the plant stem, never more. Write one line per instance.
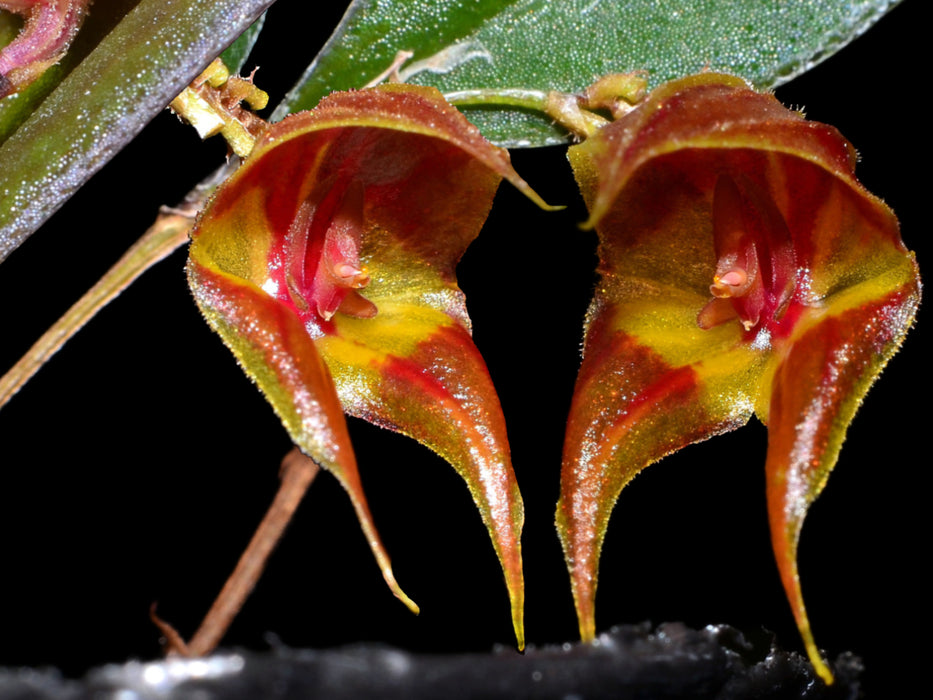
(536, 100)
(298, 471)
(566, 109)
(167, 234)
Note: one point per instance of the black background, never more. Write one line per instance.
(137, 463)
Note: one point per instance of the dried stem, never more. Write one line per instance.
(298, 471)
(391, 73)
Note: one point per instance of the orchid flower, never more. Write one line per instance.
(327, 265)
(743, 270)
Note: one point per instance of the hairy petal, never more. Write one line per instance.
(816, 390)
(440, 393)
(638, 399)
(275, 351)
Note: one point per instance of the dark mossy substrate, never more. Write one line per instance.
(630, 662)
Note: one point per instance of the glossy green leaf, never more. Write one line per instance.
(126, 80)
(537, 44)
(744, 270)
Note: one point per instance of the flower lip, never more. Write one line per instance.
(756, 265)
(323, 273)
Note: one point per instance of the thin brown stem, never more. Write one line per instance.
(168, 233)
(391, 74)
(298, 471)
(174, 644)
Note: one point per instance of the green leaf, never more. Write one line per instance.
(545, 45)
(126, 80)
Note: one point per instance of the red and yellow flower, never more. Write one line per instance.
(743, 270)
(327, 265)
